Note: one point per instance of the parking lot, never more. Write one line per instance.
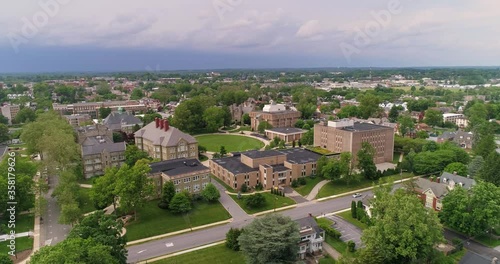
(349, 232)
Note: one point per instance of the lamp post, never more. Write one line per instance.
(275, 199)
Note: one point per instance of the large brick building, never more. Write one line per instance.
(161, 141)
(347, 136)
(277, 115)
(271, 168)
(92, 108)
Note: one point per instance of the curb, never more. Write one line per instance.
(275, 210)
(182, 252)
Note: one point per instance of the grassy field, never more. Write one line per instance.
(219, 254)
(153, 221)
(339, 245)
(22, 244)
(230, 142)
(86, 204)
(339, 186)
(271, 201)
(304, 190)
(348, 217)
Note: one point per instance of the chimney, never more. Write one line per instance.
(157, 122)
(161, 124)
(167, 125)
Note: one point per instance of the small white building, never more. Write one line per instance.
(311, 237)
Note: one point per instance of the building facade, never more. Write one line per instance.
(10, 112)
(92, 108)
(347, 136)
(270, 168)
(122, 121)
(78, 120)
(186, 174)
(277, 115)
(311, 237)
(161, 141)
(287, 134)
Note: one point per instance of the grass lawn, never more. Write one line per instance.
(395, 158)
(339, 245)
(327, 260)
(304, 190)
(153, 221)
(488, 241)
(22, 244)
(339, 186)
(223, 184)
(269, 205)
(86, 204)
(219, 254)
(320, 150)
(230, 142)
(348, 217)
(25, 223)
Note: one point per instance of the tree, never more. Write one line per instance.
(300, 123)
(430, 146)
(422, 134)
(320, 164)
(222, 151)
(405, 124)
(105, 230)
(167, 193)
(137, 94)
(134, 186)
(433, 117)
(188, 115)
(104, 112)
(246, 119)
(475, 166)
(25, 115)
(394, 114)
(365, 161)
(255, 201)
(489, 172)
(308, 137)
(4, 120)
(263, 126)
(4, 133)
(232, 238)
(349, 111)
(474, 211)
(332, 170)
(353, 209)
(102, 192)
(346, 167)
(5, 259)
(403, 230)
(369, 105)
(271, 239)
(210, 193)
(180, 203)
(456, 167)
(214, 118)
(485, 145)
(133, 154)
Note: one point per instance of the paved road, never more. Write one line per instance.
(231, 206)
(349, 231)
(51, 232)
(472, 245)
(206, 236)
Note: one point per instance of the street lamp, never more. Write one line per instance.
(275, 199)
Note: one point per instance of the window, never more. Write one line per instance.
(203, 185)
(186, 180)
(205, 177)
(196, 178)
(187, 188)
(196, 187)
(178, 190)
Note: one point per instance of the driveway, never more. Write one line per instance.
(349, 231)
(291, 193)
(231, 206)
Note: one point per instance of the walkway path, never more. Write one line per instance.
(312, 195)
(331, 251)
(231, 206)
(23, 234)
(87, 186)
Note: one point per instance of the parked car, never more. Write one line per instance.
(356, 195)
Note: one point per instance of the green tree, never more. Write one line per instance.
(232, 238)
(263, 126)
(433, 118)
(308, 137)
(255, 201)
(394, 114)
(365, 161)
(485, 145)
(167, 193)
(474, 211)
(369, 105)
(404, 231)
(320, 164)
(246, 119)
(188, 115)
(137, 94)
(332, 170)
(300, 123)
(477, 114)
(210, 193)
(4, 120)
(271, 239)
(349, 111)
(25, 115)
(353, 209)
(104, 112)
(405, 124)
(5, 259)
(223, 151)
(422, 134)
(214, 118)
(475, 165)
(346, 167)
(181, 203)
(102, 192)
(133, 154)
(458, 167)
(489, 172)
(133, 186)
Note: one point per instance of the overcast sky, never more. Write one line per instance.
(112, 35)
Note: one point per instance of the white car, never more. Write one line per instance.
(356, 195)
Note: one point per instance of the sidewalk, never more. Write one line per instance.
(23, 234)
(312, 195)
(331, 251)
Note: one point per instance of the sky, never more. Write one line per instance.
(159, 35)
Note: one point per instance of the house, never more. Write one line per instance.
(164, 142)
(431, 193)
(461, 138)
(186, 174)
(287, 134)
(277, 115)
(452, 179)
(122, 121)
(311, 237)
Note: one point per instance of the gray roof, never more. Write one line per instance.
(234, 165)
(159, 136)
(438, 189)
(473, 258)
(256, 154)
(467, 182)
(364, 127)
(177, 166)
(115, 120)
(299, 155)
(309, 222)
(97, 148)
(286, 130)
(279, 168)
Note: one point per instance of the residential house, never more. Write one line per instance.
(461, 138)
(311, 237)
(452, 179)
(186, 174)
(431, 193)
(122, 121)
(164, 142)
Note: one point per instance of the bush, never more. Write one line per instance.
(244, 188)
(232, 238)
(163, 205)
(351, 246)
(295, 184)
(181, 203)
(330, 230)
(259, 187)
(458, 243)
(256, 200)
(210, 193)
(302, 181)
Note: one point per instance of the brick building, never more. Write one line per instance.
(347, 136)
(277, 115)
(271, 168)
(92, 108)
(287, 134)
(161, 141)
(78, 120)
(10, 112)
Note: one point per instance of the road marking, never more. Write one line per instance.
(141, 251)
(169, 244)
(48, 242)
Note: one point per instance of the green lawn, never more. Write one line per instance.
(327, 260)
(339, 245)
(348, 217)
(395, 158)
(339, 186)
(223, 184)
(320, 150)
(86, 205)
(230, 142)
(22, 244)
(153, 221)
(25, 223)
(218, 254)
(304, 190)
(271, 201)
(488, 241)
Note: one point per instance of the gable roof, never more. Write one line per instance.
(309, 222)
(437, 188)
(168, 138)
(467, 182)
(116, 119)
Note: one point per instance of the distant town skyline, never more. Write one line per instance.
(75, 36)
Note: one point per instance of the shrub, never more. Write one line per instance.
(329, 230)
(210, 193)
(458, 243)
(163, 205)
(256, 200)
(232, 238)
(259, 187)
(181, 203)
(244, 188)
(295, 184)
(302, 181)
(351, 246)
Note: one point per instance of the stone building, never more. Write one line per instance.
(122, 121)
(78, 120)
(277, 115)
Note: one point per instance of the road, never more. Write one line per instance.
(206, 236)
(472, 245)
(51, 232)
